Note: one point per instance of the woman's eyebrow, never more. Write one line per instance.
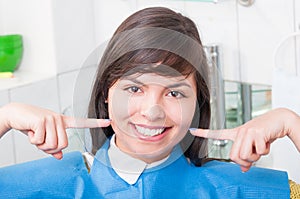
(178, 85)
(134, 81)
(175, 85)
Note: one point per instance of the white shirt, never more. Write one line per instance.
(127, 167)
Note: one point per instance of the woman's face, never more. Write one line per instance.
(151, 113)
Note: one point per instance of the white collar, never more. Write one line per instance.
(127, 167)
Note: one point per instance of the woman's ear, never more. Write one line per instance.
(106, 101)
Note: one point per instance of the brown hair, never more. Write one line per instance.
(143, 40)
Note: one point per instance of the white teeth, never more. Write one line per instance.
(149, 132)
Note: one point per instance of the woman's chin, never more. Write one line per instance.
(151, 154)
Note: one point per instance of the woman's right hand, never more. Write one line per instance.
(45, 129)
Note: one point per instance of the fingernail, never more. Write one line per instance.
(108, 120)
(192, 129)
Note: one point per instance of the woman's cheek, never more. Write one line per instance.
(118, 105)
(123, 106)
(182, 112)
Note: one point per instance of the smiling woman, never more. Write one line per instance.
(155, 67)
(152, 85)
(151, 114)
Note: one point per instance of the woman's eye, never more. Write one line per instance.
(134, 89)
(175, 94)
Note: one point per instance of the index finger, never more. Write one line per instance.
(222, 134)
(71, 122)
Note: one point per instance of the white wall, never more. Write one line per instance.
(73, 31)
(261, 28)
(109, 15)
(221, 29)
(297, 27)
(1, 17)
(32, 19)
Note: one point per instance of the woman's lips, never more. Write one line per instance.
(150, 133)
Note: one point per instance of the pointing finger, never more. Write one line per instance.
(71, 122)
(223, 134)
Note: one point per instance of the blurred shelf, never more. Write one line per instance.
(261, 102)
(22, 78)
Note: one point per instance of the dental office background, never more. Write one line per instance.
(251, 39)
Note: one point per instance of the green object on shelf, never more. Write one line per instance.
(11, 51)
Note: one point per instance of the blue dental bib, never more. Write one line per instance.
(48, 178)
(175, 178)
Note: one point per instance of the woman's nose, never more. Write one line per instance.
(154, 112)
(152, 106)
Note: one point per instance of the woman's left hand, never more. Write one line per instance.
(253, 139)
